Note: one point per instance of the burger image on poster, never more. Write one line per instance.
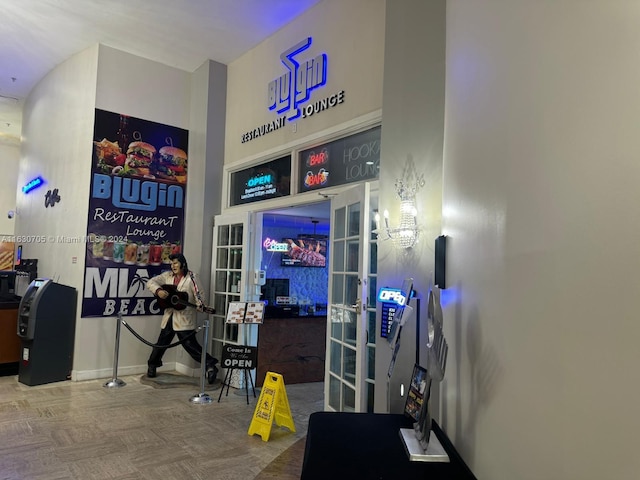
(139, 157)
(173, 164)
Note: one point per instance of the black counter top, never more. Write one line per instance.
(289, 311)
(9, 304)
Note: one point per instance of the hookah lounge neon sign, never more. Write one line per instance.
(288, 93)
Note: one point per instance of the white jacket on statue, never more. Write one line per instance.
(182, 319)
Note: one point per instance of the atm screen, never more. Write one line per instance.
(38, 283)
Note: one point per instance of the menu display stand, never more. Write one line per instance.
(419, 444)
(435, 452)
(241, 357)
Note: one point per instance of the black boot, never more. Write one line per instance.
(212, 373)
(151, 372)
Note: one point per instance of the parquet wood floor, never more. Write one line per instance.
(81, 430)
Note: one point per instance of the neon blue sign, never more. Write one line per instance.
(392, 295)
(287, 92)
(33, 184)
(263, 179)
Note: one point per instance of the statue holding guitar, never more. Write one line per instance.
(178, 293)
(179, 300)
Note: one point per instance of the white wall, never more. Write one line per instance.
(142, 88)
(538, 194)
(56, 143)
(539, 200)
(350, 33)
(158, 93)
(206, 143)
(411, 149)
(9, 157)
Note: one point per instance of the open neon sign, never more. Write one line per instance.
(275, 246)
(263, 179)
(392, 295)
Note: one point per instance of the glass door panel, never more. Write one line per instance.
(372, 274)
(227, 276)
(346, 374)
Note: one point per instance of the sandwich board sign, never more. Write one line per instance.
(272, 405)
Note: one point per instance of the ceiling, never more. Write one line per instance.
(37, 35)
(308, 214)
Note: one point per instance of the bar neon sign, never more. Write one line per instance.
(33, 184)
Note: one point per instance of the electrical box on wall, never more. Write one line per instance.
(440, 262)
(259, 277)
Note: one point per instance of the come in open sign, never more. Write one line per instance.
(240, 357)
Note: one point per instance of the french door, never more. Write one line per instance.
(228, 284)
(350, 365)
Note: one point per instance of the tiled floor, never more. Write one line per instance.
(82, 430)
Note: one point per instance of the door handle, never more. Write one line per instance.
(358, 305)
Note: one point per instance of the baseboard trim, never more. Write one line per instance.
(82, 375)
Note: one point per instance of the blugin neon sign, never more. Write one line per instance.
(289, 90)
(289, 95)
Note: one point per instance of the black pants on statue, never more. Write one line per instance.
(191, 345)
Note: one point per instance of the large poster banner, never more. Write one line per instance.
(136, 212)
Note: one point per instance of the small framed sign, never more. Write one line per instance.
(245, 312)
(240, 357)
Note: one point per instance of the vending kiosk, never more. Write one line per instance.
(46, 327)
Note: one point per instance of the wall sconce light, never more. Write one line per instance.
(405, 235)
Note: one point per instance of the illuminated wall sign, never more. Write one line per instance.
(272, 245)
(33, 184)
(288, 94)
(392, 295)
(268, 180)
(351, 159)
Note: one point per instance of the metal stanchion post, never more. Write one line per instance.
(115, 382)
(202, 397)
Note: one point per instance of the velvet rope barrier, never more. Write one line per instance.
(146, 342)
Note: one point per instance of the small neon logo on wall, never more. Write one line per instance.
(287, 92)
(33, 184)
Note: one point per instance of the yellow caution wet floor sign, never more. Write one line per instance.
(272, 404)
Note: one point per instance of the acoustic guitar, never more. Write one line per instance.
(179, 300)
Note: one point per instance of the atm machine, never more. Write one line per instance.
(46, 327)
